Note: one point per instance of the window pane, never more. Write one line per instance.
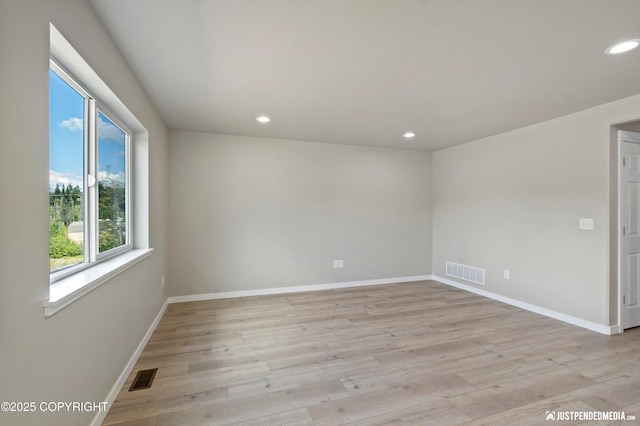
(112, 160)
(66, 171)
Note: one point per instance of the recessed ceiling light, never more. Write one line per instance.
(409, 135)
(263, 119)
(622, 47)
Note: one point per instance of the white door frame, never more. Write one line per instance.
(621, 137)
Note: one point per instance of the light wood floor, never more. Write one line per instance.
(413, 353)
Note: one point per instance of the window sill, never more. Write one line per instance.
(64, 292)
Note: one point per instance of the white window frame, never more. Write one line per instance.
(72, 287)
(92, 107)
(128, 187)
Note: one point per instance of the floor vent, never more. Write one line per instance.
(143, 379)
(464, 272)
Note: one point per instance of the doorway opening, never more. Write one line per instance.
(625, 226)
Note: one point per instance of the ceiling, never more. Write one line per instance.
(364, 72)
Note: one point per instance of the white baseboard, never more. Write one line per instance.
(281, 290)
(111, 397)
(604, 329)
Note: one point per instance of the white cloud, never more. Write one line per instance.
(71, 179)
(73, 124)
(63, 179)
(108, 130)
(105, 176)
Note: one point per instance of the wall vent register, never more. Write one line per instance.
(465, 272)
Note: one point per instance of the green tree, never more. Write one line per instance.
(111, 212)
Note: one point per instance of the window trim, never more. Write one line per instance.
(73, 287)
(67, 290)
(92, 107)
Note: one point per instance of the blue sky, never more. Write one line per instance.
(66, 109)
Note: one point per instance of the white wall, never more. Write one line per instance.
(253, 213)
(512, 201)
(77, 354)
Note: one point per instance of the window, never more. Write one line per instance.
(98, 180)
(89, 179)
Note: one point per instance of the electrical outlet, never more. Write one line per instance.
(586, 224)
(507, 274)
(163, 281)
(335, 264)
(340, 263)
